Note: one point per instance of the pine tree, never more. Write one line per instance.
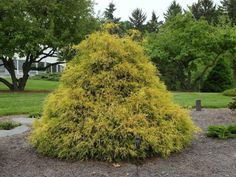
(111, 106)
(138, 17)
(228, 7)
(220, 78)
(173, 10)
(206, 9)
(109, 14)
(153, 25)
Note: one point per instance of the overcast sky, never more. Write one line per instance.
(125, 7)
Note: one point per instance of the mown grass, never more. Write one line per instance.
(209, 100)
(28, 103)
(36, 85)
(21, 103)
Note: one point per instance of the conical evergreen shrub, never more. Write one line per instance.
(109, 100)
(220, 78)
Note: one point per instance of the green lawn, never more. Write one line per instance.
(21, 103)
(209, 100)
(36, 85)
(24, 103)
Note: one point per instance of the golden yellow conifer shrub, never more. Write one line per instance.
(110, 97)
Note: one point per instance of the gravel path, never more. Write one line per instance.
(15, 131)
(206, 157)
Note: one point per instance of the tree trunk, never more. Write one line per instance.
(17, 84)
(234, 71)
(22, 82)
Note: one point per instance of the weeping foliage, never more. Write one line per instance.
(109, 96)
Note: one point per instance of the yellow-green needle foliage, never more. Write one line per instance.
(109, 97)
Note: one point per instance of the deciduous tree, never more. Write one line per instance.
(185, 50)
(36, 29)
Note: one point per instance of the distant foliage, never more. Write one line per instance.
(229, 7)
(185, 50)
(173, 10)
(47, 77)
(153, 25)
(222, 132)
(206, 9)
(230, 92)
(109, 14)
(220, 78)
(110, 97)
(138, 17)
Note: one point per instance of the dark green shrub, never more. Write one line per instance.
(222, 132)
(8, 125)
(36, 115)
(230, 92)
(219, 79)
(232, 105)
(47, 77)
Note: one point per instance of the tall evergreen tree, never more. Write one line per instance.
(109, 13)
(228, 7)
(206, 9)
(138, 17)
(153, 25)
(173, 10)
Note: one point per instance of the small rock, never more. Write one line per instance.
(116, 165)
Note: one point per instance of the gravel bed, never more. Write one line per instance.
(205, 157)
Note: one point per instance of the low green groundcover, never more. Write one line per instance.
(222, 131)
(8, 125)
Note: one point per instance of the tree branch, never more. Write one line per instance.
(207, 67)
(4, 81)
(50, 54)
(44, 68)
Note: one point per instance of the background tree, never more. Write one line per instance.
(228, 7)
(138, 17)
(153, 25)
(37, 29)
(173, 10)
(220, 78)
(109, 13)
(125, 25)
(185, 50)
(206, 9)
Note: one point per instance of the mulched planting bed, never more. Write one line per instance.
(206, 157)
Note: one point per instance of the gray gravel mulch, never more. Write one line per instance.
(205, 157)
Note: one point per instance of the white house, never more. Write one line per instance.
(19, 62)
